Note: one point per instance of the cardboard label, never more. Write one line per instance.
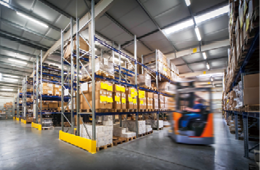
(118, 88)
(103, 98)
(117, 98)
(141, 94)
(66, 92)
(123, 100)
(134, 101)
(130, 99)
(103, 85)
(194, 50)
(247, 23)
(164, 69)
(123, 89)
(141, 102)
(109, 99)
(84, 87)
(109, 88)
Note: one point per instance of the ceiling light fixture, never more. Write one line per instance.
(204, 56)
(211, 79)
(11, 76)
(197, 31)
(22, 62)
(32, 19)
(208, 66)
(8, 79)
(7, 89)
(187, 2)
(179, 26)
(212, 14)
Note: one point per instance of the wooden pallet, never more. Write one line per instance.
(147, 133)
(159, 128)
(97, 110)
(252, 108)
(49, 128)
(105, 147)
(118, 140)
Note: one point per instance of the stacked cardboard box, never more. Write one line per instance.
(149, 100)
(119, 97)
(167, 87)
(47, 88)
(56, 90)
(82, 45)
(103, 95)
(149, 128)
(122, 132)
(251, 89)
(141, 102)
(169, 103)
(131, 125)
(104, 134)
(131, 98)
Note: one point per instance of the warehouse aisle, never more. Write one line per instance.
(23, 148)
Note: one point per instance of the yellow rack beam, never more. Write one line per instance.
(86, 144)
(37, 126)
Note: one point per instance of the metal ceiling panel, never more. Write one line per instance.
(102, 22)
(215, 36)
(60, 4)
(47, 42)
(11, 29)
(183, 35)
(34, 26)
(121, 8)
(141, 49)
(8, 43)
(32, 37)
(122, 38)
(158, 41)
(79, 5)
(133, 18)
(143, 28)
(11, 15)
(183, 69)
(25, 48)
(45, 11)
(218, 63)
(177, 13)
(62, 22)
(156, 7)
(198, 66)
(177, 61)
(200, 5)
(186, 44)
(111, 31)
(214, 25)
(193, 57)
(25, 4)
(53, 34)
(219, 52)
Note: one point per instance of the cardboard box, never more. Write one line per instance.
(117, 100)
(53, 105)
(123, 100)
(100, 97)
(251, 80)
(251, 95)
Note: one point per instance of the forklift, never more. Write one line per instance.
(199, 130)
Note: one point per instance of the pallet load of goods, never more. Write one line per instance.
(244, 96)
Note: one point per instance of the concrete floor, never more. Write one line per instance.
(24, 148)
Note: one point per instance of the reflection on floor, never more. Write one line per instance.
(22, 147)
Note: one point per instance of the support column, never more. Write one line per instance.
(135, 55)
(72, 77)
(245, 129)
(37, 88)
(62, 83)
(77, 95)
(41, 92)
(236, 124)
(156, 66)
(93, 68)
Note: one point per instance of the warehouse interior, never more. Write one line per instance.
(154, 61)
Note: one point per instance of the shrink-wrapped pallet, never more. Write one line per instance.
(131, 125)
(122, 132)
(153, 123)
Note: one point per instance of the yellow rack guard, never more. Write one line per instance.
(86, 144)
(13, 118)
(17, 119)
(37, 126)
(23, 121)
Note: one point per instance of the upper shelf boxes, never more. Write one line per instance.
(82, 45)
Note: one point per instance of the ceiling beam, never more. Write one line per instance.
(186, 63)
(22, 40)
(26, 29)
(194, 74)
(155, 23)
(7, 67)
(5, 57)
(15, 8)
(212, 59)
(211, 46)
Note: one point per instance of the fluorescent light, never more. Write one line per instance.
(7, 89)
(212, 14)
(22, 62)
(198, 33)
(32, 19)
(212, 79)
(8, 79)
(11, 76)
(204, 56)
(179, 26)
(187, 2)
(208, 66)
(5, 3)
(210, 75)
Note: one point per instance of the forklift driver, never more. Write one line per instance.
(195, 112)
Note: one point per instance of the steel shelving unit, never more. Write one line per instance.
(74, 67)
(245, 115)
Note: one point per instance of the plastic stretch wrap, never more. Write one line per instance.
(102, 65)
(142, 80)
(239, 95)
(167, 87)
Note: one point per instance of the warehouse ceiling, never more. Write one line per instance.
(28, 26)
